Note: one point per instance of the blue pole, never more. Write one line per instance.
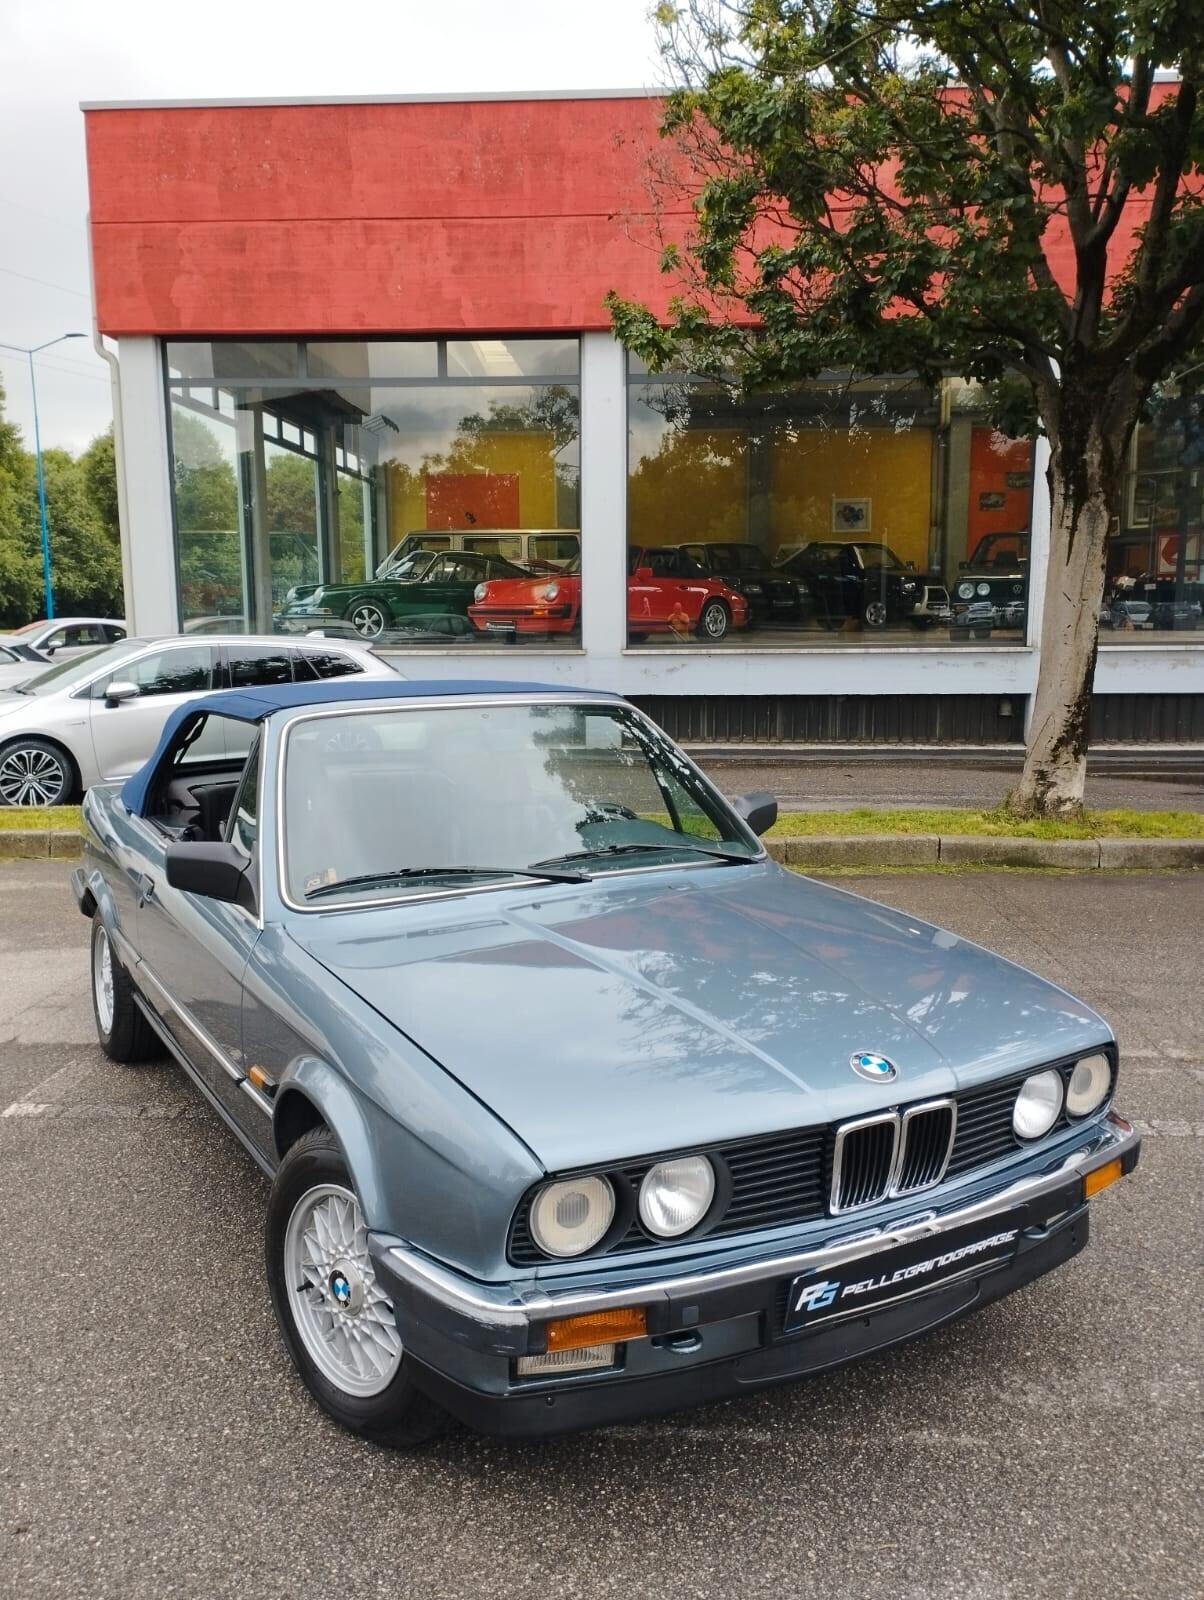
(37, 449)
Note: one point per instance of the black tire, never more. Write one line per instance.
(368, 617)
(400, 1415)
(713, 621)
(129, 1036)
(36, 772)
(875, 614)
(922, 624)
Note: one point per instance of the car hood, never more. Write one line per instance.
(655, 1011)
(531, 587)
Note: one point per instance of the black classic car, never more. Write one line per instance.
(997, 573)
(770, 592)
(867, 581)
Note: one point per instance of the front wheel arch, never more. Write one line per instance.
(295, 1116)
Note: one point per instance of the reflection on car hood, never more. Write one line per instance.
(656, 1011)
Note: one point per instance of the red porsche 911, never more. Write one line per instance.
(667, 592)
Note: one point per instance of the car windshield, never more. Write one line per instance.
(1000, 550)
(74, 669)
(388, 802)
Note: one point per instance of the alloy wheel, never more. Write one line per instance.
(368, 620)
(342, 1315)
(31, 776)
(714, 621)
(875, 614)
(102, 980)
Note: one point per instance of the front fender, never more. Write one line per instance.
(344, 1112)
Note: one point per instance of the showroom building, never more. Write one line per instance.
(366, 381)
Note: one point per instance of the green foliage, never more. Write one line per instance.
(81, 514)
(879, 183)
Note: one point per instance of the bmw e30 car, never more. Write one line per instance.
(576, 1106)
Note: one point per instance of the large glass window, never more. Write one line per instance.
(308, 476)
(840, 512)
(1155, 585)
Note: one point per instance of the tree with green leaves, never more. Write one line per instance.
(1003, 190)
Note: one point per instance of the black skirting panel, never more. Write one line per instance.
(1147, 719)
(839, 719)
(886, 719)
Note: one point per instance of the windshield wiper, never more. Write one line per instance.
(624, 849)
(398, 874)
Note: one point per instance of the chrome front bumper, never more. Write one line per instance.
(499, 1318)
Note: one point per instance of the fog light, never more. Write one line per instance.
(558, 1361)
(576, 1333)
(1101, 1178)
(1037, 1105)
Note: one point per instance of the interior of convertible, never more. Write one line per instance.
(194, 789)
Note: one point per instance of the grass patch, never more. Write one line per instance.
(998, 824)
(59, 818)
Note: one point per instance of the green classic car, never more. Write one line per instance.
(428, 581)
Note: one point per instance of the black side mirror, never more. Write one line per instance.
(218, 871)
(760, 811)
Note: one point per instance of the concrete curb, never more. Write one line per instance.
(844, 850)
(928, 849)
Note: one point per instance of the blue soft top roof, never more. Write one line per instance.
(252, 705)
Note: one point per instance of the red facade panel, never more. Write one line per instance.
(406, 218)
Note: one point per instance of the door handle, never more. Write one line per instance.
(144, 886)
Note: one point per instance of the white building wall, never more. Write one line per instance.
(151, 588)
(603, 660)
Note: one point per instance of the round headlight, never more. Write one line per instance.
(984, 589)
(1037, 1105)
(676, 1195)
(479, 593)
(570, 1217)
(551, 590)
(965, 591)
(1088, 1086)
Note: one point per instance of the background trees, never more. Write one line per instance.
(997, 189)
(81, 512)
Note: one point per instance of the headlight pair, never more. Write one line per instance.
(1039, 1103)
(570, 1216)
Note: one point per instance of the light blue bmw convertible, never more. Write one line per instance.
(576, 1106)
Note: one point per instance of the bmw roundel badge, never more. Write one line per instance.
(874, 1067)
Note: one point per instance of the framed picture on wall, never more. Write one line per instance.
(851, 516)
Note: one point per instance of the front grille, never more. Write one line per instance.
(927, 1137)
(864, 1161)
(783, 1179)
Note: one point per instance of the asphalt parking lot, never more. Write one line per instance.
(155, 1442)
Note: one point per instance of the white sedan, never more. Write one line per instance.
(96, 718)
(68, 636)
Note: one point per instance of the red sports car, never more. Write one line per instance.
(667, 592)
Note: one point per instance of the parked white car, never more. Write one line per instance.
(19, 662)
(96, 718)
(68, 636)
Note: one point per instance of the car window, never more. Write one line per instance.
(8, 657)
(510, 549)
(112, 633)
(326, 664)
(551, 548)
(186, 670)
(243, 826)
(664, 563)
(255, 664)
(459, 568)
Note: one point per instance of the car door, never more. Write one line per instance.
(125, 733)
(196, 950)
(449, 585)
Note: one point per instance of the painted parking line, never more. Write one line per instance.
(99, 1110)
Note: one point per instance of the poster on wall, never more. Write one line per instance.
(472, 500)
(851, 516)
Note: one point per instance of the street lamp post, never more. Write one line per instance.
(29, 352)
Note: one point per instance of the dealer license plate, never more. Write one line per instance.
(911, 1269)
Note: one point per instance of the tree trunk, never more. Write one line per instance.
(1084, 480)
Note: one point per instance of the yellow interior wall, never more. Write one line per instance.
(694, 488)
(529, 455)
(893, 470)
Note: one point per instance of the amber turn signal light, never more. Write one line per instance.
(599, 1327)
(1101, 1178)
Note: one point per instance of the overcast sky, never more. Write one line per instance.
(55, 53)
